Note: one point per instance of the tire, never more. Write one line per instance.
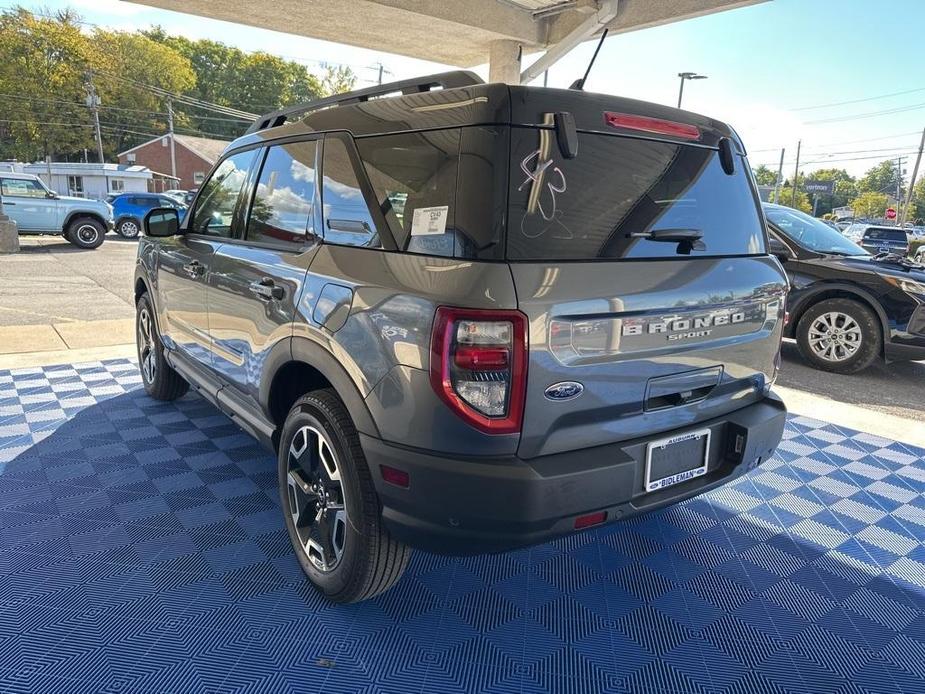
(85, 232)
(348, 555)
(128, 228)
(839, 335)
(161, 382)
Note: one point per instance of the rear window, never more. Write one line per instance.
(885, 235)
(603, 203)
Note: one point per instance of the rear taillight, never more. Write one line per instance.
(478, 366)
(656, 126)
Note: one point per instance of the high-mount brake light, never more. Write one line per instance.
(657, 126)
(478, 366)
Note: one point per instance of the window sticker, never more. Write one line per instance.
(429, 221)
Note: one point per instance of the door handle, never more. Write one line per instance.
(349, 225)
(267, 289)
(5, 204)
(194, 268)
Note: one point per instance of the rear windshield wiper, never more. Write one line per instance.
(687, 239)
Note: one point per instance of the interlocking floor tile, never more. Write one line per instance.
(142, 549)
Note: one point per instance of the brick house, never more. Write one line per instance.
(195, 156)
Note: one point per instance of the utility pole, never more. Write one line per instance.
(780, 177)
(93, 103)
(796, 175)
(173, 147)
(915, 173)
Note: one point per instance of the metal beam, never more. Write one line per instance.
(585, 29)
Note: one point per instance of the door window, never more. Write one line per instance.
(346, 216)
(283, 207)
(219, 195)
(21, 187)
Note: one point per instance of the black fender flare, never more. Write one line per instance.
(811, 296)
(306, 351)
(84, 213)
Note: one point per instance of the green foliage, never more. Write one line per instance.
(881, 178)
(870, 204)
(45, 63)
(845, 189)
(802, 203)
(765, 176)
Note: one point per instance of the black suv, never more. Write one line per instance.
(472, 318)
(846, 306)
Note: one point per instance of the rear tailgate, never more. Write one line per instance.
(630, 336)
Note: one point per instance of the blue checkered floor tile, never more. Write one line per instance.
(142, 549)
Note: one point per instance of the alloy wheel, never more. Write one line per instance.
(128, 229)
(317, 500)
(146, 351)
(835, 336)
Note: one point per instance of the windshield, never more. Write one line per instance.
(811, 233)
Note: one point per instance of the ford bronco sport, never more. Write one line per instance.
(470, 317)
(37, 210)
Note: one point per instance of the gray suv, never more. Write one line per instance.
(38, 210)
(471, 318)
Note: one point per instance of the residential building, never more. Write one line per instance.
(194, 157)
(92, 180)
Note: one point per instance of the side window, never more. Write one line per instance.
(21, 187)
(282, 211)
(414, 178)
(216, 203)
(347, 221)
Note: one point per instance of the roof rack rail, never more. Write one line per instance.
(444, 80)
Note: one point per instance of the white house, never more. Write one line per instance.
(90, 180)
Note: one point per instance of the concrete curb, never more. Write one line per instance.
(66, 356)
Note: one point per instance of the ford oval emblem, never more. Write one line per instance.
(564, 390)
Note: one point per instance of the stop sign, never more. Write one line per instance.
(890, 213)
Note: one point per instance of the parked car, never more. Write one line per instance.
(130, 209)
(455, 332)
(881, 239)
(855, 231)
(190, 194)
(847, 308)
(178, 195)
(38, 210)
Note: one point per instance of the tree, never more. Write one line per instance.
(337, 80)
(42, 64)
(129, 112)
(882, 178)
(917, 203)
(764, 176)
(870, 204)
(845, 189)
(802, 202)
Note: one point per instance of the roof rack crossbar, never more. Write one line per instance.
(444, 80)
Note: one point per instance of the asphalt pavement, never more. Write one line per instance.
(896, 389)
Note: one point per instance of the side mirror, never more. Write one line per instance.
(777, 248)
(51, 195)
(162, 221)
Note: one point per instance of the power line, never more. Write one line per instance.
(870, 114)
(858, 101)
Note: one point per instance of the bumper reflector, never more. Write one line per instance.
(393, 475)
(590, 519)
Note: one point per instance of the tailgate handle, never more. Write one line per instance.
(681, 389)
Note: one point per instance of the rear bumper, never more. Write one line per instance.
(459, 506)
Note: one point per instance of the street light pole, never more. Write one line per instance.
(684, 77)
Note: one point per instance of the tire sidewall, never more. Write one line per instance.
(160, 362)
(74, 238)
(313, 413)
(870, 335)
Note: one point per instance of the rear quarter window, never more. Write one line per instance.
(602, 203)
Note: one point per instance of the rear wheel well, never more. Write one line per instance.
(833, 294)
(140, 288)
(293, 380)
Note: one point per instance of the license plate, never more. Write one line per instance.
(676, 459)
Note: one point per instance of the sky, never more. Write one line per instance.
(769, 67)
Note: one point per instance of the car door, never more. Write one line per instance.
(257, 278)
(185, 260)
(27, 203)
